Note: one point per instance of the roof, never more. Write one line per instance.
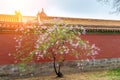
(86, 21)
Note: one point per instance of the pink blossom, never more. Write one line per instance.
(76, 56)
(9, 54)
(93, 46)
(44, 27)
(40, 56)
(84, 46)
(64, 47)
(87, 42)
(15, 61)
(36, 46)
(87, 60)
(94, 52)
(88, 54)
(37, 52)
(21, 29)
(76, 45)
(66, 51)
(57, 42)
(97, 48)
(16, 30)
(16, 40)
(17, 46)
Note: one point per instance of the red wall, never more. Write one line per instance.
(108, 43)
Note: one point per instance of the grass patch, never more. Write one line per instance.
(114, 72)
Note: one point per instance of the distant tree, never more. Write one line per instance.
(115, 4)
(54, 42)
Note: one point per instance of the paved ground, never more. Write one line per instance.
(98, 75)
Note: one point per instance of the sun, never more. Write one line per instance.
(26, 7)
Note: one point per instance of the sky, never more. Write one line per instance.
(63, 8)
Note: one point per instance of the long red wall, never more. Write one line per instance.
(109, 45)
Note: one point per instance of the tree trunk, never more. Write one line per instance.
(54, 65)
(58, 73)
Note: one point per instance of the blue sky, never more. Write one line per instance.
(63, 8)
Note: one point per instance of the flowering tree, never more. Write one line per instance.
(54, 42)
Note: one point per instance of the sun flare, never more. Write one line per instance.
(26, 7)
(18, 4)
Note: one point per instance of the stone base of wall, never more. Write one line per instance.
(20, 70)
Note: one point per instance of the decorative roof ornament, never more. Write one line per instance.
(17, 12)
(42, 13)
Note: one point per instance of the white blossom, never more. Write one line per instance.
(50, 30)
(55, 26)
(61, 52)
(83, 30)
(77, 27)
(44, 51)
(31, 74)
(78, 64)
(71, 27)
